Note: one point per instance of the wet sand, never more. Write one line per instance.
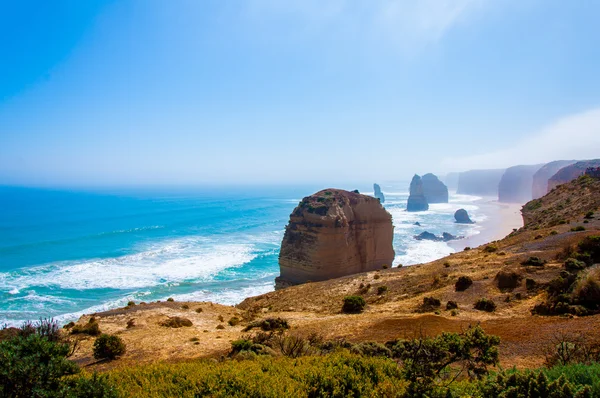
(502, 218)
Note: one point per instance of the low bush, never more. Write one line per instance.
(586, 291)
(382, 289)
(490, 249)
(530, 284)
(534, 262)
(91, 328)
(578, 228)
(463, 283)
(484, 304)
(451, 305)
(268, 324)
(176, 322)
(508, 279)
(590, 246)
(574, 265)
(234, 321)
(353, 304)
(371, 349)
(108, 346)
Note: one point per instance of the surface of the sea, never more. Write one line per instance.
(66, 253)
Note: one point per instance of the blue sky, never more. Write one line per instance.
(189, 92)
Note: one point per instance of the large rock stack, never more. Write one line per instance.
(416, 199)
(334, 233)
(377, 193)
(434, 190)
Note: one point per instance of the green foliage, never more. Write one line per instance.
(91, 328)
(590, 246)
(451, 305)
(574, 265)
(534, 262)
(108, 346)
(241, 345)
(463, 283)
(578, 228)
(589, 215)
(484, 304)
(269, 324)
(130, 303)
(533, 205)
(508, 279)
(490, 249)
(176, 322)
(353, 304)
(382, 289)
(88, 387)
(33, 366)
(371, 349)
(234, 321)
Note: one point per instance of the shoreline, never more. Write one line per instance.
(501, 219)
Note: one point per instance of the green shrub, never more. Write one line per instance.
(108, 346)
(268, 324)
(241, 345)
(590, 246)
(96, 386)
(574, 265)
(353, 304)
(130, 303)
(463, 283)
(484, 304)
(91, 328)
(530, 284)
(234, 321)
(534, 262)
(578, 228)
(170, 299)
(553, 232)
(371, 349)
(185, 307)
(490, 249)
(431, 301)
(531, 385)
(508, 279)
(589, 215)
(382, 289)
(587, 289)
(451, 305)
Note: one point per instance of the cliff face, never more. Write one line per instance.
(378, 194)
(479, 182)
(434, 190)
(451, 181)
(516, 182)
(334, 233)
(417, 200)
(571, 172)
(541, 177)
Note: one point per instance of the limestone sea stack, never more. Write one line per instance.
(416, 199)
(334, 233)
(434, 190)
(377, 193)
(462, 217)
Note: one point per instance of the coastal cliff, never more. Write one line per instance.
(516, 182)
(479, 182)
(417, 200)
(571, 172)
(541, 177)
(378, 194)
(334, 233)
(434, 190)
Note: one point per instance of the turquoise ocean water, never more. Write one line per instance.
(66, 253)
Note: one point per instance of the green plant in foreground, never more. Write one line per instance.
(108, 346)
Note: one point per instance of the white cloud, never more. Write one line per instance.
(572, 137)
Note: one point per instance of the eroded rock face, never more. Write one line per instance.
(417, 200)
(434, 190)
(571, 172)
(541, 177)
(462, 217)
(334, 233)
(479, 182)
(378, 194)
(515, 185)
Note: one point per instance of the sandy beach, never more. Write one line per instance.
(502, 219)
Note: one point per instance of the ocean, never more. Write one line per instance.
(66, 253)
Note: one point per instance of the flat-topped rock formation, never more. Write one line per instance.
(434, 190)
(417, 200)
(541, 177)
(462, 217)
(334, 233)
(516, 182)
(479, 182)
(571, 172)
(378, 194)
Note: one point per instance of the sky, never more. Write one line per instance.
(184, 92)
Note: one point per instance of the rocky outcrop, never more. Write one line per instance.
(516, 182)
(334, 233)
(462, 217)
(479, 182)
(429, 236)
(434, 190)
(541, 177)
(416, 199)
(571, 172)
(378, 194)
